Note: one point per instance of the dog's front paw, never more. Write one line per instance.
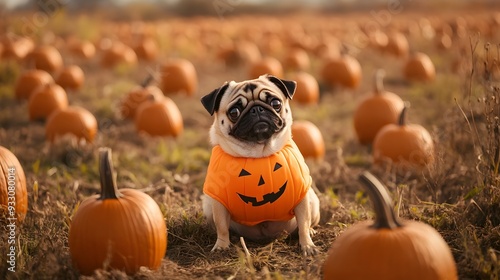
(306, 244)
(220, 245)
(309, 249)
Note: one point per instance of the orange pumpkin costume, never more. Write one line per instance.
(255, 190)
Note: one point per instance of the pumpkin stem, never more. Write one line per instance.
(384, 215)
(379, 81)
(109, 190)
(147, 81)
(402, 115)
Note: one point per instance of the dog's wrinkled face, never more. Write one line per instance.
(252, 118)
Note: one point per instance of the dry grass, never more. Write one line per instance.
(459, 195)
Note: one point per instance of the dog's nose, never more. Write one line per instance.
(256, 110)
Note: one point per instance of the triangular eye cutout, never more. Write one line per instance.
(261, 181)
(243, 172)
(277, 166)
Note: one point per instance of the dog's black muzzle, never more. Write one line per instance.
(257, 124)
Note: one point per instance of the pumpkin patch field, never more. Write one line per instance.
(104, 143)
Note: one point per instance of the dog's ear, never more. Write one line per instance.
(287, 87)
(211, 101)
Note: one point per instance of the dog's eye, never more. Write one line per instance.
(276, 104)
(234, 113)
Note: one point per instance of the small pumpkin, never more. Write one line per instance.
(303, 41)
(397, 44)
(45, 100)
(378, 40)
(46, 58)
(419, 67)
(388, 248)
(309, 139)
(328, 47)
(179, 75)
(71, 77)
(159, 116)
(404, 143)
(342, 71)
(18, 48)
(117, 53)
(307, 91)
(73, 120)
(296, 59)
(443, 42)
(83, 49)
(267, 65)
(146, 48)
(248, 52)
(137, 96)
(118, 229)
(271, 44)
(376, 110)
(13, 193)
(30, 81)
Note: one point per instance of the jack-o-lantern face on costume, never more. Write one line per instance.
(268, 197)
(255, 190)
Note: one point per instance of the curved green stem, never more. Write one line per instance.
(109, 189)
(384, 215)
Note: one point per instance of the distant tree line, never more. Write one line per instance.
(160, 8)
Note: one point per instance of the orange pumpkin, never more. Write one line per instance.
(419, 67)
(118, 53)
(267, 65)
(407, 144)
(82, 49)
(376, 110)
(17, 48)
(307, 91)
(30, 81)
(378, 40)
(388, 248)
(296, 59)
(309, 139)
(159, 117)
(328, 47)
(341, 71)
(73, 120)
(443, 42)
(46, 58)
(248, 52)
(118, 229)
(179, 75)
(13, 193)
(239, 53)
(45, 100)
(255, 190)
(71, 77)
(147, 48)
(397, 44)
(137, 96)
(270, 45)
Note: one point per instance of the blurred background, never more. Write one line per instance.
(154, 9)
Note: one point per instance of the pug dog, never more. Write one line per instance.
(258, 184)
